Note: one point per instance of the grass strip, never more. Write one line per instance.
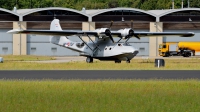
(26, 58)
(103, 96)
(136, 64)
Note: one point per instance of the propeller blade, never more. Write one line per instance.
(111, 38)
(111, 24)
(132, 24)
(137, 36)
(108, 33)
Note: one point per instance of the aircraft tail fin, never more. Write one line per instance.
(58, 40)
(55, 25)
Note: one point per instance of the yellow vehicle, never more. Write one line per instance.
(185, 49)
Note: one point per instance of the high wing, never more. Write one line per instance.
(97, 33)
(128, 33)
(50, 32)
(181, 34)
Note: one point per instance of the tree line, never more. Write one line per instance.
(98, 4)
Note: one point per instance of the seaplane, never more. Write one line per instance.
(103, 47)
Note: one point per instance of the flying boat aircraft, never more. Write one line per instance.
(104, 47)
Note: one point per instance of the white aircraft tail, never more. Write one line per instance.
(59, 40)
(55, 25)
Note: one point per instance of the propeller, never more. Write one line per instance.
(132, 24)
(108, 33)
(132, 32)
(111, 23)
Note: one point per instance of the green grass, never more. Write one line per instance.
(100, 96)
(136, 64)
(26, 58)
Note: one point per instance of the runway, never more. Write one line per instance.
(99, 74)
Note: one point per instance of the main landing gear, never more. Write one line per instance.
(89, 60)
(128, 61)
(117, 61)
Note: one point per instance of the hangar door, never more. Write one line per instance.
(195, 38)
(6, 42)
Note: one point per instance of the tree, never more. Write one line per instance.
(113, 4)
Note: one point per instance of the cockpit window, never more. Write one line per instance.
(160, 46)
(119, 44)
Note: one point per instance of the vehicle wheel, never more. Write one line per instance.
(166, 54)
(89, 59)
(128, 61)
(188, 54)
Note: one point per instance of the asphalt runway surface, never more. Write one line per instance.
(98, 74)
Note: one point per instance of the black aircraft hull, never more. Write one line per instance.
(125, 56)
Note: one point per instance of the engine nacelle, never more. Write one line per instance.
(103, 32)
(126, 33)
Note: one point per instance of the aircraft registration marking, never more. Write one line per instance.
(68, 44)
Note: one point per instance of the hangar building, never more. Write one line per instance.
(181, 20)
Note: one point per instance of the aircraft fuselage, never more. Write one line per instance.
(104, 50)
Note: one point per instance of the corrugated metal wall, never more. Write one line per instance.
(6, 42)
(178, 39)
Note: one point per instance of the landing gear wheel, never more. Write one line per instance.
(89, 60)
(128, 61)
(117, 61)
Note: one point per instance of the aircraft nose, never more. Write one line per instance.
(135, 52)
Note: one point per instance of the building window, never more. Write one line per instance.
(54, 49)
(142, 49)
(4, 49)
(33, 49)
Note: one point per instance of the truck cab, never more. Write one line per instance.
(167, 49)
(162, 49)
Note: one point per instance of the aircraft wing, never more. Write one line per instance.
(181, 34)
(96, 33)
(50, 32)
(128, 33)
